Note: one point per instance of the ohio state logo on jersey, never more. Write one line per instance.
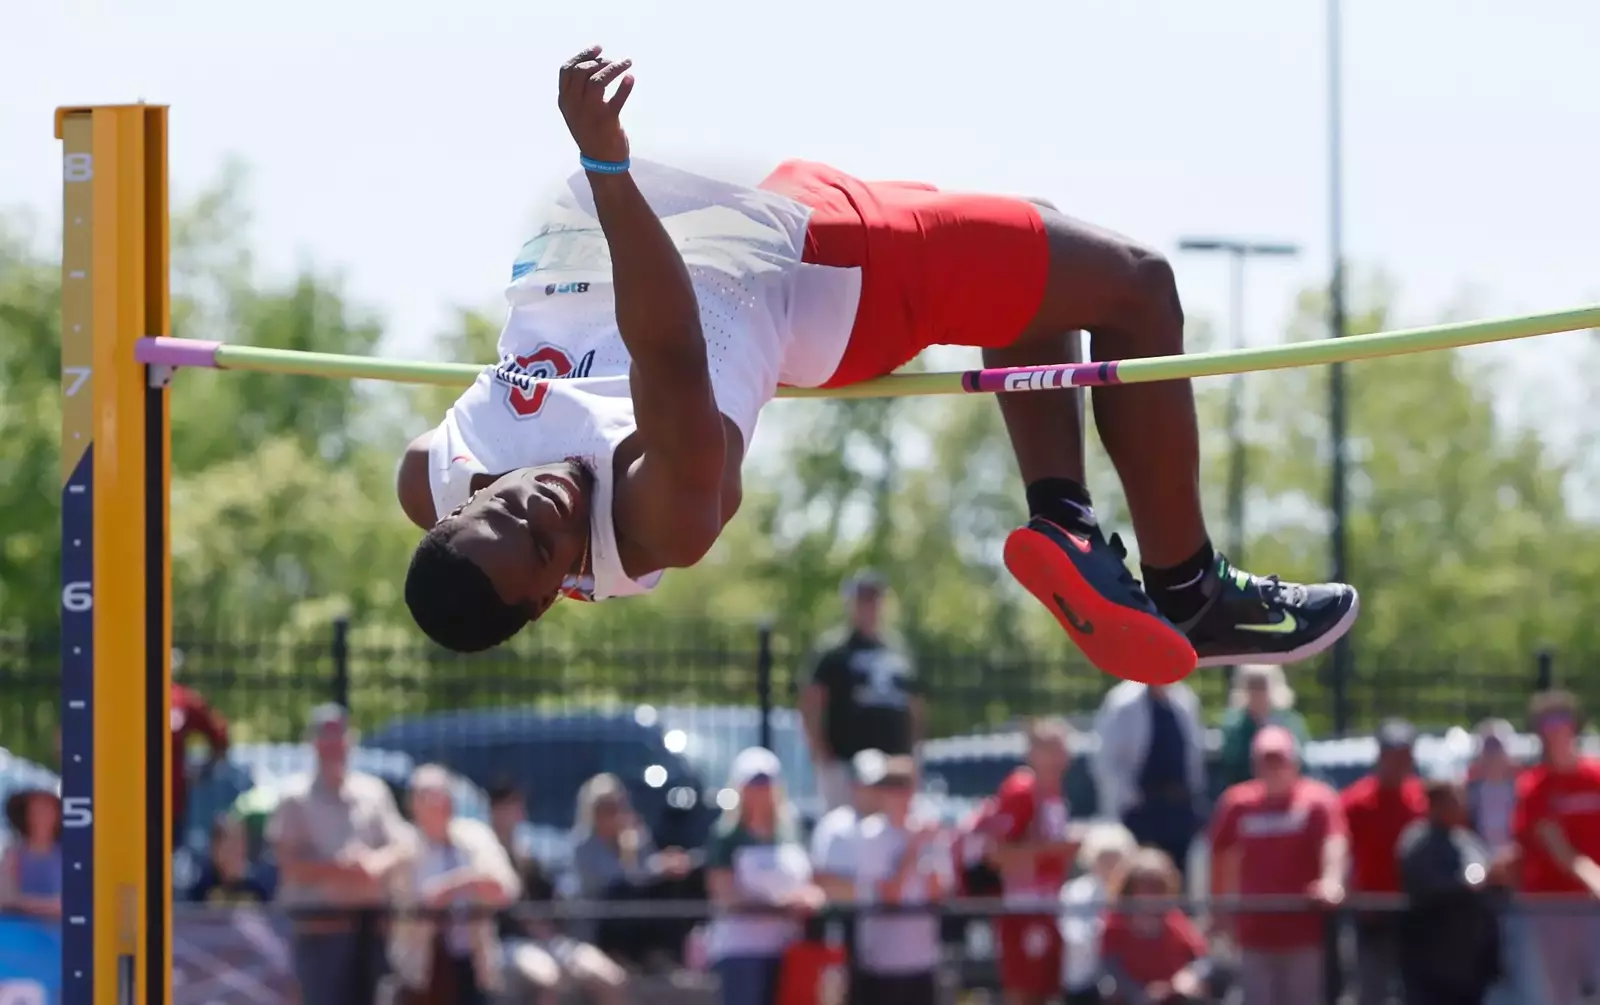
(525, 374)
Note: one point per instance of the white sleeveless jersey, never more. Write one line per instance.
(560, 390)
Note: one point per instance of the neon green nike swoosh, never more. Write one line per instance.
(1286, 625)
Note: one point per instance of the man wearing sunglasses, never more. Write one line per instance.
(1557, 825)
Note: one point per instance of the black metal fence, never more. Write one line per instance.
(671, 710)
(266, 687)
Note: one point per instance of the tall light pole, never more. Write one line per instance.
(1238, 251)
(1337, 326)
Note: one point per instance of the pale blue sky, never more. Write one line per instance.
(402, 142)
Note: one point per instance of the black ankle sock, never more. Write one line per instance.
(1063, 502)
(1180, 592)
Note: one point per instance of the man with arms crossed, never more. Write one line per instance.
(863, 694)
(676, 306)
(1556, 824)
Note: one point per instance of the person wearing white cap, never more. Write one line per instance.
(902, 858)
(863, 693)
(833, 839)
(754, 859)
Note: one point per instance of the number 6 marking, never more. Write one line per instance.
(78, 597)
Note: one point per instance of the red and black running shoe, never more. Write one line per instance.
(1085, 582)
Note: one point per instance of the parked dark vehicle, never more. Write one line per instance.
(549, 756)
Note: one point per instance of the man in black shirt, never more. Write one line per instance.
(863, 693)
(1450, 932)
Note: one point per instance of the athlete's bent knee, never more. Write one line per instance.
(1154, 289)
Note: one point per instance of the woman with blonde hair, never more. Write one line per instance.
(1106, 847)
(615, 858)
(609, 844)
(1260, 697)
(754, 859)
(452, 874)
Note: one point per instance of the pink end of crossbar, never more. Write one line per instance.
(164, 351)
(1042, 378)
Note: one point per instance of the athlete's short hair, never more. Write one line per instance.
(452, 600)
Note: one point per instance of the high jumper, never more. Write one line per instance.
(675, 306)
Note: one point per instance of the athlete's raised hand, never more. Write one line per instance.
(592, 118)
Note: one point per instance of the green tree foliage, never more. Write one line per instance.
(1461, 538)
(275, 481)
(30, 431)
(1464, 538)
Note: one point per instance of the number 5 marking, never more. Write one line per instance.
(77, 812)
(79, 375)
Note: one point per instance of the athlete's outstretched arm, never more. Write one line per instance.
(658, 317)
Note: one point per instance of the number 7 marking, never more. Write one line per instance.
(79, 375)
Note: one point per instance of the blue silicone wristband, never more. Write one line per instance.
(603, 167)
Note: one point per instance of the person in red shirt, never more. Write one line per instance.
(1291, 831)
(1378, 808)
(1028, 844)
(191, 716)
(1154, 954)
(1557, 825)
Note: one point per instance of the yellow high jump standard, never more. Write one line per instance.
(116, 939)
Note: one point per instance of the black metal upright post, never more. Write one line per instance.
(764, 680)
(1544, 670)
(1239, 250)
(1343, 663)
(341, 662)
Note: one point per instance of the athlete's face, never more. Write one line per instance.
(528, 531)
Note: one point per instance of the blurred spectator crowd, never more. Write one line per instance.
(1191, 866)
(1469, 886)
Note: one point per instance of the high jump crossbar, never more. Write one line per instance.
(172, 352)
(116, 630)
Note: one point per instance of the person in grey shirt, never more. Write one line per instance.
(615, 858)
(337, 835)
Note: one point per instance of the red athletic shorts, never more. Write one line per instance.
(1030, 955)
(937, 268)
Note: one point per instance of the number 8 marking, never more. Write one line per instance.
(79, 167)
